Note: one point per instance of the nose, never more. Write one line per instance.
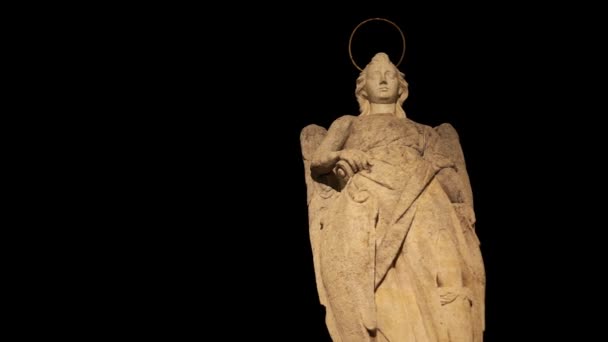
(383, 79)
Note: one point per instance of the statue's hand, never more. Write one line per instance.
(356, 159)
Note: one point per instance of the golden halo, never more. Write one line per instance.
(350, 40)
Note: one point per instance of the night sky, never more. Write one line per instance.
(223, 179)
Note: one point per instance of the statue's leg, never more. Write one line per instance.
(347, 268)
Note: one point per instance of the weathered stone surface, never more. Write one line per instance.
(391, 221)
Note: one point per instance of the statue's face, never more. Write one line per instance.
(381, 83)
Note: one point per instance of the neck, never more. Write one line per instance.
(382, 108)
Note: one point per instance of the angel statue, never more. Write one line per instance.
(391, 221)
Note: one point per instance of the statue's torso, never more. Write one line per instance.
(386, 137)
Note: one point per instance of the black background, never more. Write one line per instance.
(218, 179)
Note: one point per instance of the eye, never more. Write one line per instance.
(390, 74)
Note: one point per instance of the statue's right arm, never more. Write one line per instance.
(328, 154)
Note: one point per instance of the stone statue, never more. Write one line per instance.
(391, 221)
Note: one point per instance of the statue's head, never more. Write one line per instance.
(381, 82)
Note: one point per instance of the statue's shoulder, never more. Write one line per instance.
(444, 129)
(423, 129)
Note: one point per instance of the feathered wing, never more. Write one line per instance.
(450, 147)
(320, 194)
